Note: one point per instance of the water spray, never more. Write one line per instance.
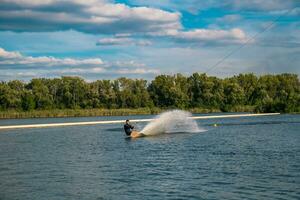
(174, 121)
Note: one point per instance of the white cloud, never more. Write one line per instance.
(129, 64)
(15, 58)
(203, 36)
(293, 12)
(196, 6)
(81, 70)
(14, 65)
(85, 16)
(9, 55)
(229, 18)
(138, 71)
(262, 5)
(102, 17)
(195, 36)
(122, 41)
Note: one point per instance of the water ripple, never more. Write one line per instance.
(260, 161)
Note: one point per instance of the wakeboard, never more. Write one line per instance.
(136, 134)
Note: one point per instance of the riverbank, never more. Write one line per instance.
(14, 114)
(22, 126)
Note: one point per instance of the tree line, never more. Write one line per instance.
(267, 93)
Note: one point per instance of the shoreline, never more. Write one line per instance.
(73, 113)
(62, 113)
(5, 127)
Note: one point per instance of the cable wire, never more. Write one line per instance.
(271, 24)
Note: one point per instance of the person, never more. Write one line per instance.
(128, 128)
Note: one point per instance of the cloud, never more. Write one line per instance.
(81, 70)
(9, 55)
(281, 37)
(194, 6)
(138, 71)
(194, 36)
(130, 67)
(92, 16)
(101, 17)
(122, 41)
(15, 58)
(294, 12)
(229, 18)
(205, 36)
(14, 65)
(262, 5)
(128, 64)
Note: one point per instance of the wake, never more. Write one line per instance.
(175, 121)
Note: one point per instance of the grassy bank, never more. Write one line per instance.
(14, 114)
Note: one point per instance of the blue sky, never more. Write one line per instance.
(102, 39)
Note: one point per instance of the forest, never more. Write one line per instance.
(244, 92)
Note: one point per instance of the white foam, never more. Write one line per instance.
(172, 122)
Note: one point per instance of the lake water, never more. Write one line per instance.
(241, 158)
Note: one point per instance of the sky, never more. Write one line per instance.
(106, 39)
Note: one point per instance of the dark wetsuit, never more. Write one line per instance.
(127, 129)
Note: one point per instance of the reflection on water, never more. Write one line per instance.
(246, 158)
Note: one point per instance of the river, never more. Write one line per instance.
(239, 158)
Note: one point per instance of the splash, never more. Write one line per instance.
(172, 122)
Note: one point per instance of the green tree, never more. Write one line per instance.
(10, 95)
(42, 97)
(268, 93)
(28, 102)
(248, 82)
(233, 94)
(205, 91)
(74, 92)
(132, 93)
(169, 91)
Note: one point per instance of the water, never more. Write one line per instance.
(241, 158)
(175, 121)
